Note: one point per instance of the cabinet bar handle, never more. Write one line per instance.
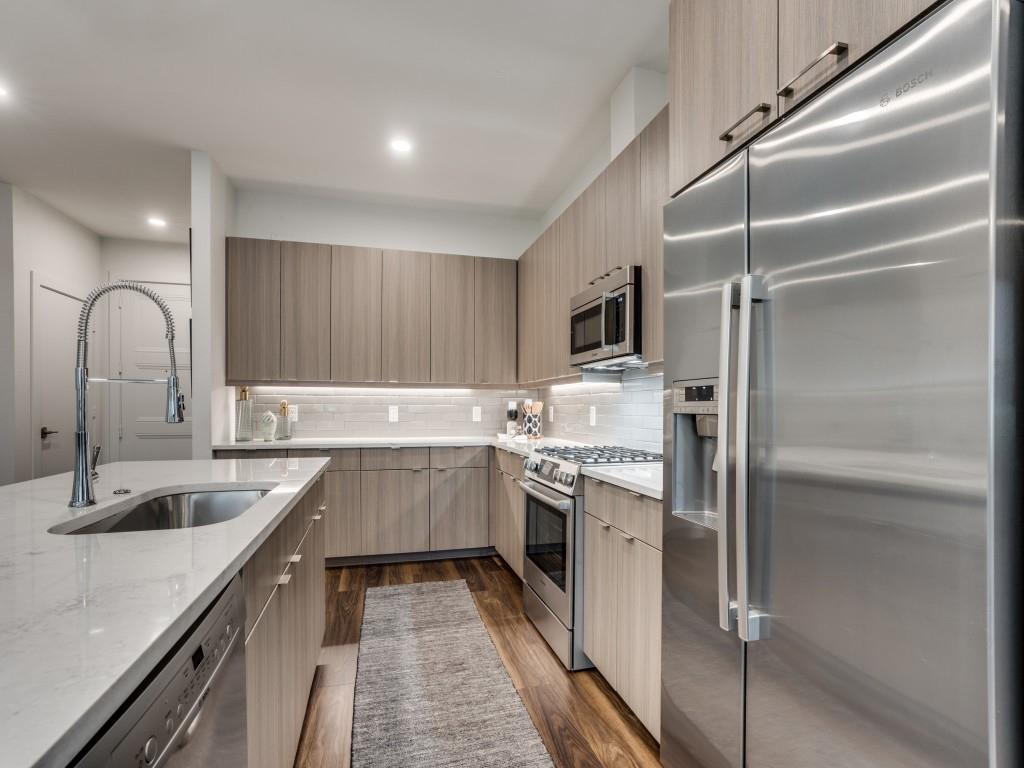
(284, 579)
(322, 508)
(295, 559)
(317, 517)
(836, 49)
(635, 493)
(605, 526)
(626, 536)
(763, 108)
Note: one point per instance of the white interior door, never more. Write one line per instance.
(139, 350)
(53, 334)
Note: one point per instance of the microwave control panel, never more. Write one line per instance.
(697, 397)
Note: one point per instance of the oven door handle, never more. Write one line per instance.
(530, 489)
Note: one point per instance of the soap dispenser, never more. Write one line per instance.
(243, 417)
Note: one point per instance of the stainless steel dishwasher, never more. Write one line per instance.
(191, 710)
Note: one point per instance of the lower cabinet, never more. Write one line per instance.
(509, 519)
(283, 645)
(458, 508)
(396, 511)
(622, 616)
(344, 523)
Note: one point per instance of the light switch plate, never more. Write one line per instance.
(476, 413)
(551, 413)
(393, 414)
(593, 415)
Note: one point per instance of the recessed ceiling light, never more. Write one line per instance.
(156, 221)
(401, 145)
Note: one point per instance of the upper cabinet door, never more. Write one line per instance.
(622, 208)
(593, 253)
(722, 80)
(820, 38)
(355, 313)
(305, 312)
(405, 317)
(495, 321)
(452, 309)
(527, 320)
(568, 234)
(653, 198)
(253, 310)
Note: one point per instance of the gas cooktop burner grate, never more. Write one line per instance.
(600, 454)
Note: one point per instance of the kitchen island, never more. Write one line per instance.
(85, 618)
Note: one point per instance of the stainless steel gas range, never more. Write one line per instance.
(553, 566)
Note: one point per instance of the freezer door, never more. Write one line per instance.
(869, 225)
(702, 664)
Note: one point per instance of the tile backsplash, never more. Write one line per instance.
(627, 413)
(363, 411)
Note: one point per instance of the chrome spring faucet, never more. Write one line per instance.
(81, 490)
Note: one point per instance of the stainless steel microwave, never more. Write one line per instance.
(605, 322)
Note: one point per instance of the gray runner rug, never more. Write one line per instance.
(431, 689)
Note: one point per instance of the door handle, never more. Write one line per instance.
(726, 607)
(46, 432)
(837, 49)
(751, 290)
(762, 108)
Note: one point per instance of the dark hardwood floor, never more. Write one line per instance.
(582, 720)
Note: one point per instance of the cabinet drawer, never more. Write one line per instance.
(341, 458)
(508, 462)
(451, 458)
(629, 511)
(394, 458)
(255, 453)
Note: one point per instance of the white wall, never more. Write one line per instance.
(61, 250)
(124, 259)
(8, 449)
(279, 213)
(212, 204)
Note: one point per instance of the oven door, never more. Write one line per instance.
(549, 548)
(605, 327)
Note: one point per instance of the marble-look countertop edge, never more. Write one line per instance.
(94, 717)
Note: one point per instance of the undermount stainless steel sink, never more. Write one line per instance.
(179, 510)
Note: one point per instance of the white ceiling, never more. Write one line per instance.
(503, 99)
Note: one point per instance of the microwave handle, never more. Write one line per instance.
(604, 310)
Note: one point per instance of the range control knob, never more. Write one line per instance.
(149, 752)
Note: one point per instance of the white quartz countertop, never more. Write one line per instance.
(84, 618)
(645, 479)
(642, 478)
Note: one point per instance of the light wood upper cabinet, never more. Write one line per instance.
(253, 310)
(622, 206)
(569, 234)
(495, 321)
(305, 312)
(452, 310)
(396, 511)
(809, 28)
(405, 313)
(723, 75)
(653, 198)
(528, 301)
(355, 313)
(458, 508)
(592, 248)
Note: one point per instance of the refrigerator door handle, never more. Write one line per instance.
(751, 290)
(726, 606)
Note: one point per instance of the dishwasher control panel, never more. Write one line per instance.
(148, 732)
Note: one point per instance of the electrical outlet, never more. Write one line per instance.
(293, 413)
(551, 414)
(476, 413)
(393, 414)
(593, 415)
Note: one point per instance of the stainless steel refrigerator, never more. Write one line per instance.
(841, 532)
